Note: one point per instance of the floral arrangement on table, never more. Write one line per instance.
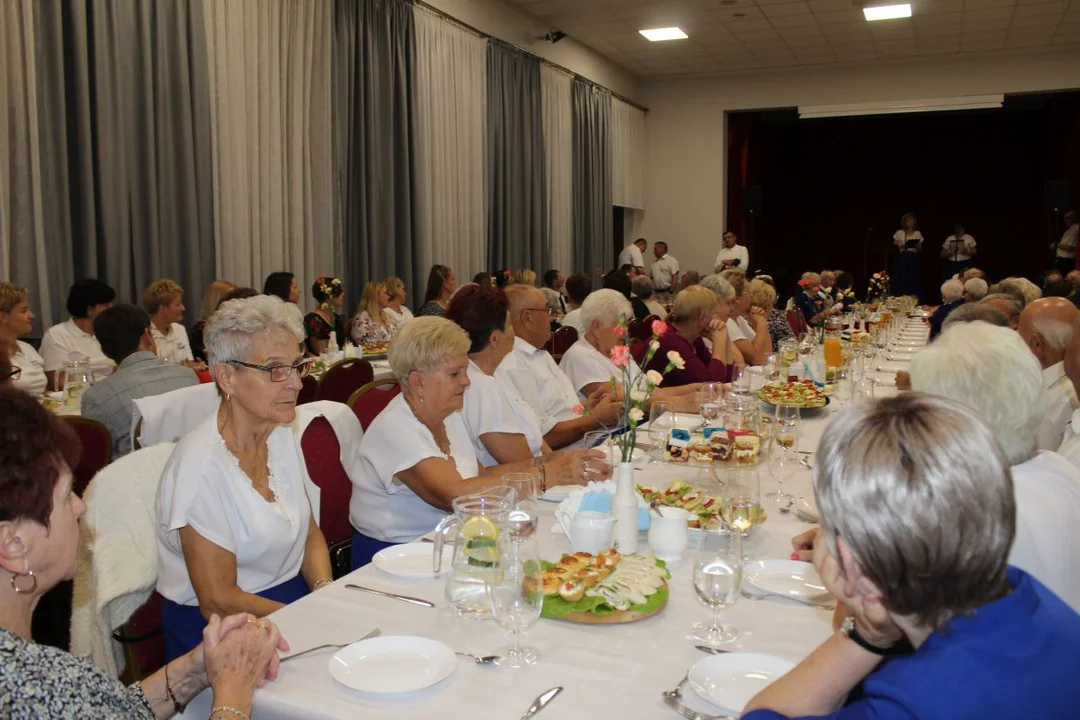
(330, 288)
(634, 396)
(879, 286)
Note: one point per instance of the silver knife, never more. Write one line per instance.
(539, 703)
(403, 598)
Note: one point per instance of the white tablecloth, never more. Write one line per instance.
(607, 671)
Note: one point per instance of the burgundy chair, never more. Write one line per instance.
(372, 399)
(309, 392)
(797, 322)
(560, 342)
(322, 454)
(343, 378)
(143, 640)
(96, 450)
(638, 349)
(642, 329)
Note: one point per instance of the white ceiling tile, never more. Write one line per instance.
(1014, 43)
(785, 10)
(992, 36)
(793, 21)
(935, 48)
(937, 7)
(979, 4)
(806, 31)
(1001, 13)
(839, 18)
(984, 25)
(1036, 21)
(775, 2)
(757, 36)
(828, 6)
(1028, 9)
(1043, 33)
(748, 24)
(937, 20)
(937, 31)
(982, 46)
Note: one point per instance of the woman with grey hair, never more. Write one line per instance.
(917, 516)
(418, 456)
(642, 286)
(235, 531)
(588, 361)
(992, 371)
(952, 297)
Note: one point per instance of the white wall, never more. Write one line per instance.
(685, 194)
(502, 20)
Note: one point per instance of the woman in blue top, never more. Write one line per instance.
(917, 517)
(814, 307)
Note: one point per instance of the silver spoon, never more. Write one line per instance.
(711, 650)
(478, 659)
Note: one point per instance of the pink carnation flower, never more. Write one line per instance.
(578, 409)
(620, 356)
(619, 330)
(659, 327)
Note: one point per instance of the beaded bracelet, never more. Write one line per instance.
(227, 709)
(543, 479)
(171, 695)
(322, 583)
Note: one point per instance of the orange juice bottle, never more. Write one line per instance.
(833, 354)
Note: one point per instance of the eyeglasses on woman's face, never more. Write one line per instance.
(280, 373)
(10, 375)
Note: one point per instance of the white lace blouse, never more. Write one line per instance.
(203, 487)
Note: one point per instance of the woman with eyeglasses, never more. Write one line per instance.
(235, 531)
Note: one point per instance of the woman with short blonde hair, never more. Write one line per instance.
(396, 310)
(418, 456)
(17, 320)
(371, 325)
(763, 297)
(692, 318)
(525, 277)
(917, 518)
(747, 327)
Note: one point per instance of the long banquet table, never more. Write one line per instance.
(606, 671)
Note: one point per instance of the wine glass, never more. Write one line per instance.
(523, 516)
(516, 594)
(717, 580)
(740, 380)
(709, 401)
(742, 500)
(783, 461)
(661, 422)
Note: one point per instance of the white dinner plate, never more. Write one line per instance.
(394, 664)
(730, 680)
(785, 577)
(411, 560)
(560, 492)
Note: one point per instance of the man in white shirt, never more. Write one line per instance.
(532, 372)
(164, 302)
(1065, 250)
(578, 287)
(665, 269)
(74, 339)
(632, 255)
(1046, 325)
(957, 252)
(1070, 443)
(732, 255)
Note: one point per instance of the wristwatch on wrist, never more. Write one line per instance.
(848, 628)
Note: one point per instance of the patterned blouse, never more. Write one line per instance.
(40, 681)
(431, 308)
(316, 328)
(366, 331)
(779, 328)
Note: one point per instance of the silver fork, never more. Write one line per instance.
(373, 634)
(671, 698)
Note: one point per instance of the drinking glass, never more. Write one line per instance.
(742, 500)
(842, 386)
(661, 422)
(771, 370)
(523, 516)
(862, 389)
(516, 594)
(710, 396)
(718, 570)
(784, 459)
(740, 380)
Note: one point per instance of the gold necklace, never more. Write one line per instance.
(445, 450)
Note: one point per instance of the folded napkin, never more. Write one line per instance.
(600, 501)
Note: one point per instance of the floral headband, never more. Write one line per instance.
(806, 282)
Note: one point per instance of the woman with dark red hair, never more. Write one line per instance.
(39, 536)
(503, 428)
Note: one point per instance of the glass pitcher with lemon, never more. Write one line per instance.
(480, 519)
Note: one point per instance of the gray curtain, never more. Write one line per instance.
(126, 152)
(373, 146)
(517, 174)
(593, 242)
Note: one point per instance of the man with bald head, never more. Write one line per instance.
(536, 378)
(1046, 326)
(1070, 444)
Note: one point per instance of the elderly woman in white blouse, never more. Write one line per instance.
(235, 531)
(418, 455)
(588, 361)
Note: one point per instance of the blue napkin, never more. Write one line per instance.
(600, 501)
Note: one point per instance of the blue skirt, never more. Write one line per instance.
(364, 548)
(183, 624)
(906, 279)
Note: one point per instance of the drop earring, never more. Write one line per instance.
(22, 591)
